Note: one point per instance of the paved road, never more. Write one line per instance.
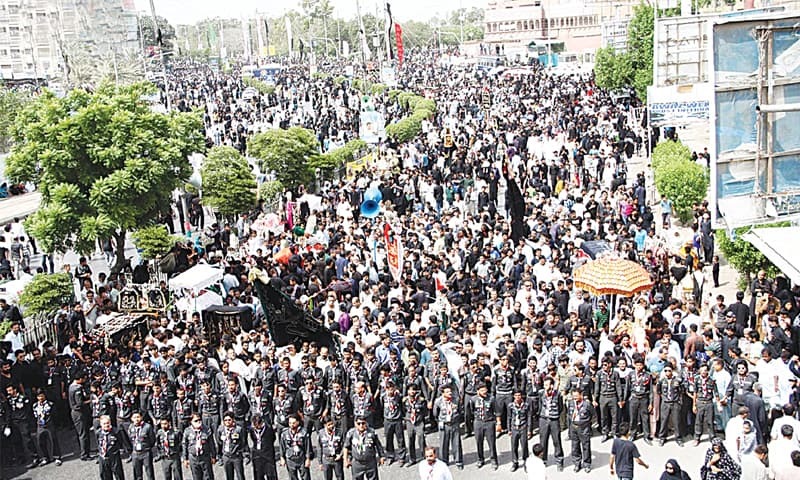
(688, 457)
(19, 206)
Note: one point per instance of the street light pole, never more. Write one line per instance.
(163, 58)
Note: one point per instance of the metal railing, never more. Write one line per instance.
(40, 328)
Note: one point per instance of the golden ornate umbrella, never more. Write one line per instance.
(611, 276)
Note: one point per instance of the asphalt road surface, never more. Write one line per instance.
(690, 458)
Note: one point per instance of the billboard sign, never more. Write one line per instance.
(679, 105)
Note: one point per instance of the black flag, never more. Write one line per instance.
(390, 27)
(159, 38)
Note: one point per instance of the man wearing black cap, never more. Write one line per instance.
(740, 385)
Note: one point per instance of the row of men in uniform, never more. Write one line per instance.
(198, 448)
(611, 395)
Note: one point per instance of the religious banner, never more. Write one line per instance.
(394, 252)
(398, 38)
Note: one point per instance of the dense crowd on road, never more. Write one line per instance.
(481, 335)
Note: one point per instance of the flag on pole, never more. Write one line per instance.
(398, 38)
(389, 27)
(394, 252)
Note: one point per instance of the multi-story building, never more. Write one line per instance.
(36, 35)
(568, 25)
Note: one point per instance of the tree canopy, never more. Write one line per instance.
(289, 154)
(634, 67)
(105, 163)
(11, 102)
(229, 185)
(46, 293)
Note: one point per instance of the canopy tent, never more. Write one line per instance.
(777, 244)
(196, 278)
(612, 277)
(200, 302)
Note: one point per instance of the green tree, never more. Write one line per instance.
(634, 68)
(679, 178)
(270, 191)
(289, 154)
(154, 241)
(229, 185)
(341, 155)
(612, 69)
(11, 102)
(46, 293)
(105, 163)
(743, 256)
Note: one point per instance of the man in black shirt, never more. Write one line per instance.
(109, 442)
(262, 448)
(168, 442)
(81, 416)
(623, 453)
(232, 441)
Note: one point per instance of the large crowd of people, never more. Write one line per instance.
(481, 333)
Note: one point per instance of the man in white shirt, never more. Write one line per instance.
(433, 468)
(753, 467)
(15, 337)
(787, 419)
(534, 465)
(780, 451)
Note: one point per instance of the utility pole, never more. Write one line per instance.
(362, 35)
(461, 21)
(163, 58)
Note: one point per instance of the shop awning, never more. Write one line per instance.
(777, 244)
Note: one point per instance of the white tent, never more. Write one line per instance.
(199, 303)
(776, 244)
(197, 278)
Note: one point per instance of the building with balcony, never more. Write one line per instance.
(574, 26)
(35, 35)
